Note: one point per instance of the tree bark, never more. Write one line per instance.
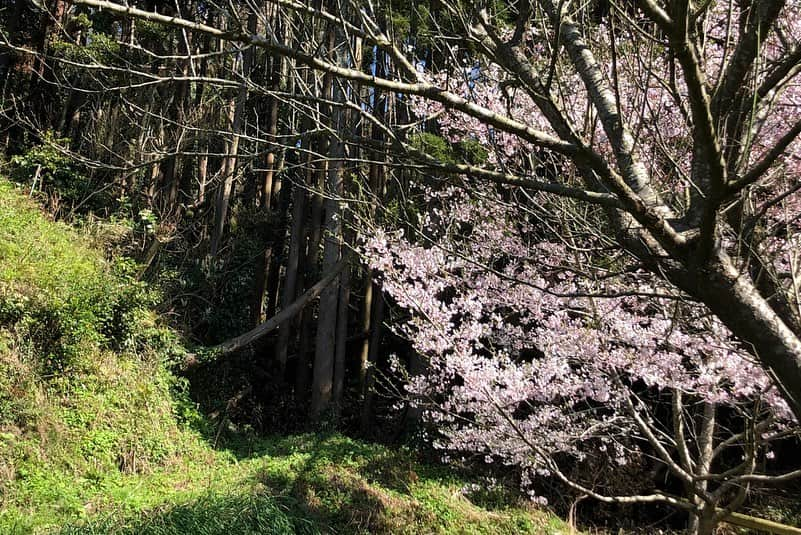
(732, 296)
(324, 350)
(375, 340)
(235, 111)
(236, 118)
(341, 341)
(290, 280)
(325, 343)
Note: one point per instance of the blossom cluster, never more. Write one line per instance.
(526, 354)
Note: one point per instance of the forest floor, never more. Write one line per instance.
(98, 436)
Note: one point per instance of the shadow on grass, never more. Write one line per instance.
(305, 484)
(324, 502)
(339, 484)
(209, 515)
(321, 484)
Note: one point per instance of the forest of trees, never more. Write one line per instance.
(562, 237)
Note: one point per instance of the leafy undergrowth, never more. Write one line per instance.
(96, 436)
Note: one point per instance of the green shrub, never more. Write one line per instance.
(46, 168)
(60, 297)
(472, 151)
(85, 388)
(433, 145)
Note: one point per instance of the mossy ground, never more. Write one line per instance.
(97, 436)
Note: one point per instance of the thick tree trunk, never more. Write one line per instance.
(369, 382)
(269, 173)
(278, 239)
(367, 319)
(268, 266)
(325, 343)
(376, 181)
(324, 350)
(228, 170)
(302, 370)
(293, 273)
(177, 112)
(732, 296)
(414, 411)
(292, 264)
(7, 57)
(236, 112)
(309, 271)
(202, 172)
(703, 522)
(341, 341)
(51, 21)
(263, 263)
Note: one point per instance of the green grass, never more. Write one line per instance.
(298, 484)
(313, 484)
(98, 437)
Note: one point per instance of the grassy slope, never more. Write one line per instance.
(96, 437)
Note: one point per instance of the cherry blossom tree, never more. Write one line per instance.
(533, 360)
(710, 160)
